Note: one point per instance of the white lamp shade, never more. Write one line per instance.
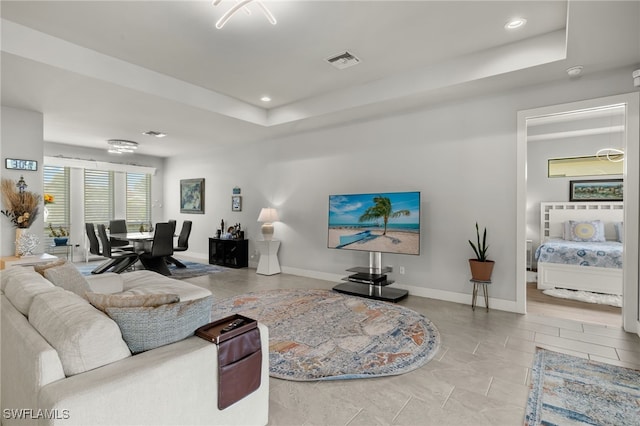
(268, 215)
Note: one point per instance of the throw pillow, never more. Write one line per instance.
(104, 301)
(148, 328)
(84, 337)
(592, 231)
(41, 268)
(619, 227)
(68, 277)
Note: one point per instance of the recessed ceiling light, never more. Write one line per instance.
(154, 133)
(514, 23)
(265, 99)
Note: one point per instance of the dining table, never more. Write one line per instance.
(141, 241)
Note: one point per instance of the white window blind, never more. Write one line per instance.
(98, 196)
(138, 199)
(56, 183)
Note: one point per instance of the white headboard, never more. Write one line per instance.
(553, 215)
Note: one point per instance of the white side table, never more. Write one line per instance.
(268, 264)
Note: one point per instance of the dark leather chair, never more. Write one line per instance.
(94, 248)
(119, 226)
(183, 243)
(172, 222)
(161, 250)
(119, 260)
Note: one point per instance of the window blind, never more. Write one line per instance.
(98, 196)
(138, 199)
(56, 183)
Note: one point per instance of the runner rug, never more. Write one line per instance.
(569, 390)
(324, 335)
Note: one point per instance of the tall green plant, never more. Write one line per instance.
(481, 248)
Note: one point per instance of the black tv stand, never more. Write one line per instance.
(371, 283)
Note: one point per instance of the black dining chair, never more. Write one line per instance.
(183, 243)
(119, 260)
(94, 248)
(119, 226)
(161, 249)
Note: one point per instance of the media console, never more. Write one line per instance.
(371, 282)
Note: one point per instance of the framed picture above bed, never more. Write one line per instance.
(596, 190)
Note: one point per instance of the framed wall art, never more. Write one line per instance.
(596, 190)
(192, 196)
(236, 203)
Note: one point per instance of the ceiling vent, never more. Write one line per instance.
(343, 60)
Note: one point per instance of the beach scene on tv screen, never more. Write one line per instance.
(380, 222)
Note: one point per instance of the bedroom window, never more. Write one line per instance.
(583, 166)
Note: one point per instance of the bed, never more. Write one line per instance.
(580, 265)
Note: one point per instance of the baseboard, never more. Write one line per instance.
(449, 296)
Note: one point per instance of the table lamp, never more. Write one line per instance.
(267, 217)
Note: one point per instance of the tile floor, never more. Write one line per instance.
(479, 377)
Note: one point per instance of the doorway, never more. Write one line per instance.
(628, 141)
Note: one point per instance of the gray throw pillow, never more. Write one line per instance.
(104, 301)
(68, 277)
(147, 328)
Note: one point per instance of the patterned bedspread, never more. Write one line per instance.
(607, 254)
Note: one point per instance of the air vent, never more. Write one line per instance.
(154, 133)
(343, 60)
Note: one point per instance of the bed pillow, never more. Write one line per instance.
(619, 227)
(147, 328)
(587, 231)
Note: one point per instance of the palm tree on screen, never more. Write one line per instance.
(382, 209)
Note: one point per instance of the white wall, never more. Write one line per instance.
(21, 138)
(461, 156)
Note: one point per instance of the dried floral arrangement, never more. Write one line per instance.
(21, 206)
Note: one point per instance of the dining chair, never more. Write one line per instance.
(161, 249)
(119, 226)
(172, 222)
(119, 260)
(94, 248)
(183, 243)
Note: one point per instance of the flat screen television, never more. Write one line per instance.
(387, 222)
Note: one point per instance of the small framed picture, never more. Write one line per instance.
(236, 190)
(236, 203)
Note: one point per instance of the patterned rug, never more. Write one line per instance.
(192, 269)
(324, 335)
(569, 390)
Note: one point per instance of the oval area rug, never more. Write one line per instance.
(324, 335)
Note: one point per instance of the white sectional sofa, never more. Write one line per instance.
(64, 362)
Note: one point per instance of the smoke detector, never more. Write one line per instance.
(343, 60)
(574, 71)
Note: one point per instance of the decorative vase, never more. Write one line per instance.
(60, 241)
(481, 271)
(26, 242)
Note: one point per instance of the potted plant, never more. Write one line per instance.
(60, 235)
(481, 266)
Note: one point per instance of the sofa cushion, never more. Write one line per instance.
(103, 301)
(12, 271)
(147, 328)
(84, 337)
(43, 267)
(21, 289)
(149, 282)
(68, 277)
(106, 283)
